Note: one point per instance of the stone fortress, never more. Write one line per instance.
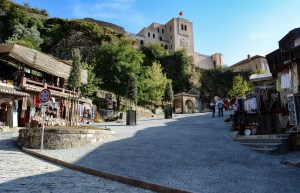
(177, 34)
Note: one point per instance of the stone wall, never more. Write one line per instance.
(61, 138)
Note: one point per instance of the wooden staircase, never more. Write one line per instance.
(275, 144)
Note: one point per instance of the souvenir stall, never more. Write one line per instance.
(257, 113)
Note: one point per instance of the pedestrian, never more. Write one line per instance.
(220, 105)
(213, 107)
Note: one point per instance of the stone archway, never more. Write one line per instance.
(189, 106)
(184, 103)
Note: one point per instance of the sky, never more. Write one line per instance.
(234, 28)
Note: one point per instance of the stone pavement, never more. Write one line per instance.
(191, 152)
(20, 172)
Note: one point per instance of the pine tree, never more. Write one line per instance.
(132, 88)
(169, 95)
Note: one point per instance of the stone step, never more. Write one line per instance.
(264, 136)
(262, 140)
(262, 145)
(265, 150)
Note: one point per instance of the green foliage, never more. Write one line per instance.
(259, 71)
(93, 81)
(177, 68)
(169, 94)
(5, 4)
(153, 52)
(75, 74)
(153, 84)
(116, 62)
(53, 31)
(239, 87)
(16, 15)
(215, 82)
(29, 37)
(92, 30)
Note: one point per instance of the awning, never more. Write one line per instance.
(41, 61)
(10, 90)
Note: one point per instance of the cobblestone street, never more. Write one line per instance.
(20, 172)
(190, 152)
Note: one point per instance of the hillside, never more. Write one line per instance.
(33, 28)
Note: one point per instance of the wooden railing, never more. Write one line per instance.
(27, 82)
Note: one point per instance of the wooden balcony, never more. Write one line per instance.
(31, 85)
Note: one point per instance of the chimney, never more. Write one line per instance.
(248, 56)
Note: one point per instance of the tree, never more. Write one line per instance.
(75, 74)
(169, 95)
(153, 52)
(155, 84)
(92, 82)
(29, 37)
(132, 88)
(74, 80)
(115, 63)
(239, 87)
(178, 68)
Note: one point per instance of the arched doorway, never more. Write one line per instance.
(189, 106)
(6, 112)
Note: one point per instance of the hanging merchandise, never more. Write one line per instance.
(285, 81)
(24, 103)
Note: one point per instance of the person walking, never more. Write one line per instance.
(213, 107)
(220, 105)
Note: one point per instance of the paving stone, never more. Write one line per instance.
(23, 173)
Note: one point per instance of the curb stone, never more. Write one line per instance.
(289, 163)
(107, 175)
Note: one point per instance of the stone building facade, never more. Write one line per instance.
(251, 64)
(177, 34)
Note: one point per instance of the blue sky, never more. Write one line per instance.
(234, 28)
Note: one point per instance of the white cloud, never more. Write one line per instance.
(258, 36)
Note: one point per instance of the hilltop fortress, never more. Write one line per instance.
(177, 34)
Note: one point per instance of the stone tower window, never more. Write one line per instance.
(182, 27)
(148, 34)
(166, 47)
(157, 30)
(153, 35)
(142, 42)
(160, 38)
(185, 28)
(162, 30)
(171, 47)
(170, 28)
(171, 37)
